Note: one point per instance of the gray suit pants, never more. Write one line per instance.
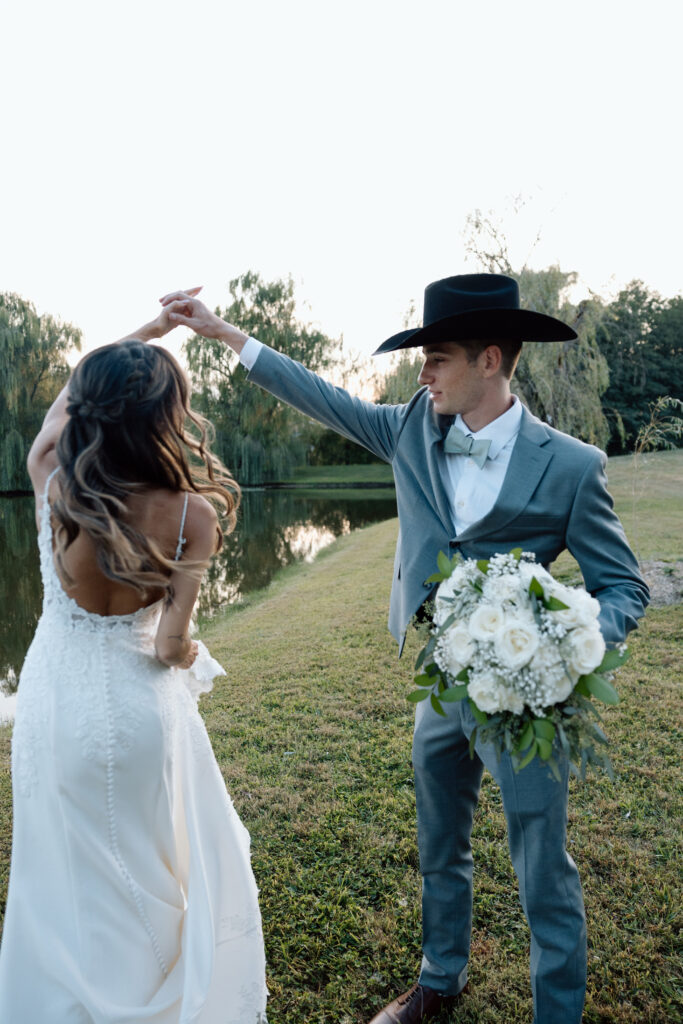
(447, 785)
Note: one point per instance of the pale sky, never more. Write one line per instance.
(152, 145)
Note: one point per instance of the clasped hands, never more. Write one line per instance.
(183, 308)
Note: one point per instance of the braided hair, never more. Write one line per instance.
(131, 428)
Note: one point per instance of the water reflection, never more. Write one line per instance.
(275, 528)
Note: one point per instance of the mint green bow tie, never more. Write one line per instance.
(456, 442)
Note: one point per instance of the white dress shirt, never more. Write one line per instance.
(473, 491)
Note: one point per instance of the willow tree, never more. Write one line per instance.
(33, 370)
(258, 437)
(561, 382)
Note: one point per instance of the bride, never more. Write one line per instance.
(131, 897)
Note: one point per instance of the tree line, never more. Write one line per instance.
(600, 388)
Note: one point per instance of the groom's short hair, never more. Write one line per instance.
(510, 349)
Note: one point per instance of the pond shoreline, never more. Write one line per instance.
(277, 485)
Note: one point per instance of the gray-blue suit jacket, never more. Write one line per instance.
(553, 497)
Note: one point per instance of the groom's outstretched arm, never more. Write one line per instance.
(376, 427)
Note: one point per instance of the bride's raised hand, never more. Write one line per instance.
(183, 308)
(161, 324)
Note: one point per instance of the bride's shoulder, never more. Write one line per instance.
(176, 512)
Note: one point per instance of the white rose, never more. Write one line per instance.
(561, 688)
(510, 700)
(484, 689)
(516, 642)
(459, 643)
(454, 649)
(485, 621)
(589, 608)
(587, 649)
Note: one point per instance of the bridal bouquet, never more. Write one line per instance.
(528, 655)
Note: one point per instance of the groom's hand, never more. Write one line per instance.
(183, 308)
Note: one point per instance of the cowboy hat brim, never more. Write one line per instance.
(482, 325)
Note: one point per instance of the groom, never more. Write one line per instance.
(475, 473)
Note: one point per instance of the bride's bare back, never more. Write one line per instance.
(155, 513)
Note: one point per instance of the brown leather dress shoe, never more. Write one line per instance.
(417, 1005)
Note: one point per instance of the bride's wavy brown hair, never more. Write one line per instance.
(130, 428)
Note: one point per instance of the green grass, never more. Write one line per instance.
(312, 731)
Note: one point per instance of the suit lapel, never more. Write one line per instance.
(527, 465)
(436, 428)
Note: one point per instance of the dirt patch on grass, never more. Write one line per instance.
(665, 580)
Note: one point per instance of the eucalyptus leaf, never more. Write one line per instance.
(545, 748)
(612, 660)
(423, 680)
(526, 738)
(544, 729)
(479, 716)
(444, 564)
(553, 604)
(436, 704)
(473, 741)
(601, 688)
(529, 756)
(453, 694)
(420, 658)
(437, 577)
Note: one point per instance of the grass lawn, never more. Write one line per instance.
(312, 731)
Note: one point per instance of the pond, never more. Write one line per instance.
(275, 529)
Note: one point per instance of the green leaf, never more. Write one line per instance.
(536, 588)
(444, 564)
(544, 729)
(420, 658)
(463, 675)
(601, 688)
(479, 716)
(526, 738)
(516, 553)
(483, 565)
(582, 687)
(453, 693)
(473, 741)
(437, 577)
(545, 748)
(553, 604)
(423, 680)
(529, 756)
(436, 704)
(417, 695)
(612, 660)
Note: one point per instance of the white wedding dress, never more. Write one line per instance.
(131, 896)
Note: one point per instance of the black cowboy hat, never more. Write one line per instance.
(475, 307)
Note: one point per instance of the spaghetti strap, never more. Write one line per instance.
(49, 481)
(182, 541)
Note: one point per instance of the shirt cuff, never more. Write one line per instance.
(250, 352)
